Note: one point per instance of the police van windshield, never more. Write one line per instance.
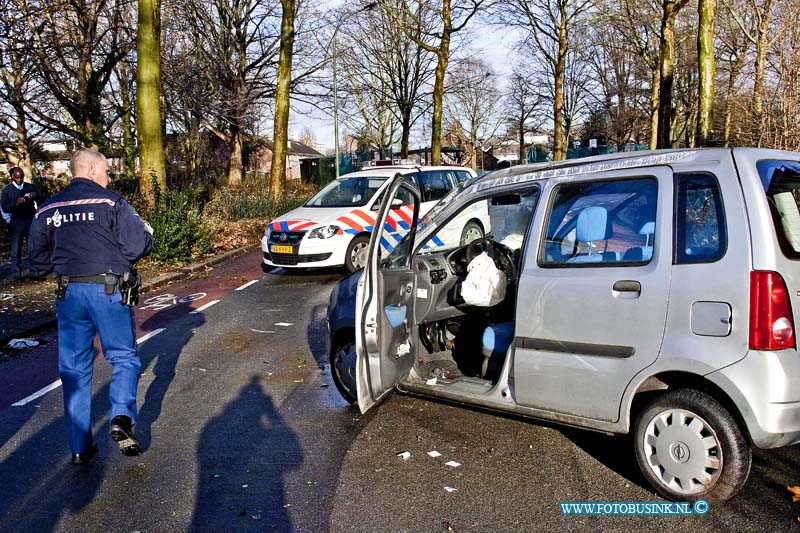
(781, 180)
(347, 192)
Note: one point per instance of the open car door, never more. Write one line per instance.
(385, 346)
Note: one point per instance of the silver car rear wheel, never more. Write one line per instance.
(689, 447)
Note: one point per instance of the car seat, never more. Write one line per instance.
(593, 225)
(496, 340)
(643, 220)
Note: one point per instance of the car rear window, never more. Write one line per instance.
(781, 181)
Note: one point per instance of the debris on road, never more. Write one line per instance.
(454, 464)
(284, 324)
(20, 344)
(262, 330)
(450, 489)
(431, 381)
(434, 453)
(405, 456)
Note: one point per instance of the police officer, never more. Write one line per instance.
(18, 203)
(92, 237)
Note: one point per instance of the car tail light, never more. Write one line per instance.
(771, 323)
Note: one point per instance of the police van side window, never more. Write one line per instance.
(601, 223)
(434, 185)
(700, 233)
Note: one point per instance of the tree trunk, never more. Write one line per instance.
(438, 102)
(654, 88)
(148, 116)
(523, 154)
(281, 128)
(126, 123)
(736, 66)
(667, 72)
(707, 71)
(762, 46)
(236, 165)
(559, 137)
(406, 131)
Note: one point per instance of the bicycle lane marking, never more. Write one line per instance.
(57, 383)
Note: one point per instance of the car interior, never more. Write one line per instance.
(459, 341)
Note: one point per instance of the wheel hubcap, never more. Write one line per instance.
(358, 255)
(344, 365)
(472, 234)
(683, 451)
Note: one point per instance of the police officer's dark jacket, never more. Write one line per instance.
(86, 230)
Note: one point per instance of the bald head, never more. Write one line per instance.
(90, 164)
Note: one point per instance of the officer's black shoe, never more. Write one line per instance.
(122, 433)
(85, 457)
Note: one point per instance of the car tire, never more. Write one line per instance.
(356, 256)
(343, 366)
(685, 436)
(471, 232)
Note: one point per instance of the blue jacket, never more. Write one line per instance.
(86, 230)
(9, 195)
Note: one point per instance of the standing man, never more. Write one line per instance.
(18, 203)
(92, 237)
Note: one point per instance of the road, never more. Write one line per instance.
(243, 430)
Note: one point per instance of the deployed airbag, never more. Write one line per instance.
(485, 285)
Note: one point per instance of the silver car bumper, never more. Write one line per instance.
(766, 388)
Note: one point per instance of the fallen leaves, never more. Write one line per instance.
(795, 493)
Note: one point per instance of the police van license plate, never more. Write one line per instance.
(282, 249)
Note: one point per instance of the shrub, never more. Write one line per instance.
(178, 229)
(238, 204)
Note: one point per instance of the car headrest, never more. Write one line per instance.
(593, 224)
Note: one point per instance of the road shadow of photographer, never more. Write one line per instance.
(244, 454)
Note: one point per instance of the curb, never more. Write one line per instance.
(149, 286)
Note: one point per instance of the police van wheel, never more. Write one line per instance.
(343, 366)
(689, 447)
(472, 232)
(356, 257)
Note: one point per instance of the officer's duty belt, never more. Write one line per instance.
(101, 278)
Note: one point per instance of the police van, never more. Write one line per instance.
(333, 228)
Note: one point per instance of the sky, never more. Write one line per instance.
(495, 48)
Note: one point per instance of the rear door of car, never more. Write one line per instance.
(592, 299)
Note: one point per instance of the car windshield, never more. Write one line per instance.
(781, 181)
(347, 192)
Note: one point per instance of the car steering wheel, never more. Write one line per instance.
(496, 251)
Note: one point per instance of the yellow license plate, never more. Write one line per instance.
(282, 250)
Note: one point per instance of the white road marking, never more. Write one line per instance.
(243, 287)
(204, 307)
(56, 384)
(150, 335)
(37, 394)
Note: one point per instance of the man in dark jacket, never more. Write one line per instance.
(18, 202)
(92, 237)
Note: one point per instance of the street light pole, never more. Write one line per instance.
(335, 86)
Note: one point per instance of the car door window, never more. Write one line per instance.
(435, 185)
(700, 235)
(601, 223)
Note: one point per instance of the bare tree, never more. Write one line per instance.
(764, 23)
(549, 26)
(402, 69)
(451, 16)
(75, 47)
(522, 102)
(470, 103)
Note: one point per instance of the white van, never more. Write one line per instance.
(333, 228)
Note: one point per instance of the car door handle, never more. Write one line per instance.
(627, 289)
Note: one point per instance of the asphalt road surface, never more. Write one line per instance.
(243, 430)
